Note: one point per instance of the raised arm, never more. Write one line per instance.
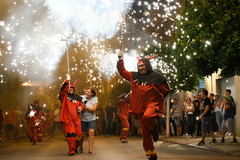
(63, 90)
(122, 71)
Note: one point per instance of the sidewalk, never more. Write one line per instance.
(225, 148)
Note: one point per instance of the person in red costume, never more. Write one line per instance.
(147, 99)
(123, 116)
(32, 123)
(70, 116)
(40, 120)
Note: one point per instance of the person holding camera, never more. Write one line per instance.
(88, 118)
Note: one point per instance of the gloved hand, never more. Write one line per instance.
(79, 109)
(68, 77)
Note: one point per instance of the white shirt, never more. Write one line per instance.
(87, 115)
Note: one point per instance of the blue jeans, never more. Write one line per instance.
(88, 125)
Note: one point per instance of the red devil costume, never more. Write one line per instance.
(40, 119)
(123, 116)
(70, 117)
(33, 123)
(147, 100)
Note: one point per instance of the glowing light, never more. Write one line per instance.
(27, 84)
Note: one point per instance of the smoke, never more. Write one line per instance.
(33, 31)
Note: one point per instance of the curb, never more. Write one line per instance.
(203, 148)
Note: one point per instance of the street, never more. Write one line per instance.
(106, 148)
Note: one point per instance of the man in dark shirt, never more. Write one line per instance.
(206, 117)
(110, 112)
(228, 93)
(228, 119)
(212, 100)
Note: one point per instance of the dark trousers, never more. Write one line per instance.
(109, 125)
(190, 123)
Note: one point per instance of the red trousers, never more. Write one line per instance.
(73, 132)
(148, 123)
(32, 133)
(125, 126)
(40, 132)
(123, 116)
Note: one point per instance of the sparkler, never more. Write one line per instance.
(68, 63)
(30, 38)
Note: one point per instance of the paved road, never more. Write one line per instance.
(106, 148)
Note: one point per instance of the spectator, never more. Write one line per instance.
(228, 119)
(197, 114)
(189, 109)
(228, 93)
(109, 116)
(206, 118)
(177, 113)
(100, 123)
(218, 112)
(212, 100)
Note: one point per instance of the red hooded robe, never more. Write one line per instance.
(147, 99)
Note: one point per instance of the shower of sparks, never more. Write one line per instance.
(31, 36)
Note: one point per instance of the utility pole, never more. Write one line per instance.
(168, 117)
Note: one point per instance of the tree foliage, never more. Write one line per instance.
(208, 32)
(206, 39)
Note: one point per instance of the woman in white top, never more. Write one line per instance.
(218, 111)
(189, 109)
(89, 118)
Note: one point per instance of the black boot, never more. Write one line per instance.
(152, 158)
(213, 141)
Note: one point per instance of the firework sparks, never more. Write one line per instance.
(31, 35)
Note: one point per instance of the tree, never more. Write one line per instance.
(177, 70)
(208, 33)
(205, 40)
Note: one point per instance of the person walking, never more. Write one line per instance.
(70, 116)
(147, 99)
(88, 118)
(33, 123)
